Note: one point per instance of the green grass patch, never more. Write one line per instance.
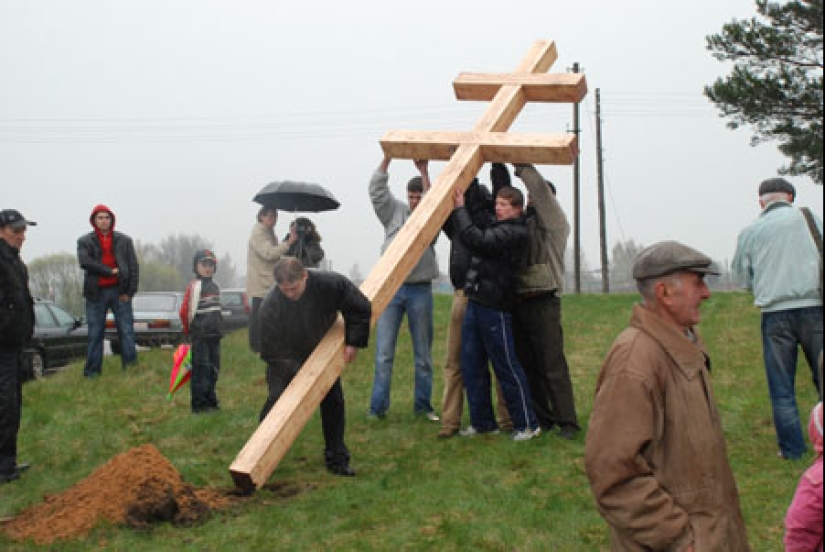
(412, 491)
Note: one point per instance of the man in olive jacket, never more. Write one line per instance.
(655, 454)
(16, 327)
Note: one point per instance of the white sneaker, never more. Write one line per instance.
(526, 434)
(433, 417)
(470, 431)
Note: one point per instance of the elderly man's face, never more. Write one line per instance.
(682, 297)
(13, 236)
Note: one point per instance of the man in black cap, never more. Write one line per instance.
(777, 258)
(655, 454)
(16, 327)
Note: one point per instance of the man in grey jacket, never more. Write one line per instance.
(414, 298)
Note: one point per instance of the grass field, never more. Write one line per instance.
(412, 491)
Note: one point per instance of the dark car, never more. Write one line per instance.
(156, 317)
(58, 339)
(235, 309)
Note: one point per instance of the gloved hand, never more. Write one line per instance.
(499, 177)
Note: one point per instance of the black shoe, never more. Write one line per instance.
(341, 469)
(9, 477)
(568, 432)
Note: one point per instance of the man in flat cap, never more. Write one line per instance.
(654, 452)
(16, 327)
(777, 258)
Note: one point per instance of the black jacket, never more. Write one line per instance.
(16, 303)
(480, 204)
(290, 330)
(90, 257)
(499, 251)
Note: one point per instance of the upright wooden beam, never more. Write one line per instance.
(466, 153)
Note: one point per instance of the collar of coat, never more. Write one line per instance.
(688, 356)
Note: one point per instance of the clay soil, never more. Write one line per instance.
(137, 488)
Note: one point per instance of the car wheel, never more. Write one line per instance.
(38, 366)
(115, 346)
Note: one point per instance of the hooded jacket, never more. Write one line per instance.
(90, 257)
(393, 214)
(803, 522)
(655, 454)
(16, 303)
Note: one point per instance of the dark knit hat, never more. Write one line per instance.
(777, 185)
(667, 257)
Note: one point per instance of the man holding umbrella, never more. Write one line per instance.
(262, 253)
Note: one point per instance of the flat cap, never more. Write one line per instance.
(774, 185)
(668, 257)
(10, 217)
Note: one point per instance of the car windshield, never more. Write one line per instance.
(154, 302)
(231, 299)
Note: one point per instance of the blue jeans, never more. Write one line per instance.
(782, 333)
(109, 299)
(487, 335)
(416, 300)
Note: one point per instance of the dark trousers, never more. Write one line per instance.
(540, 348)
(206, 367)
(11, 404)
(333, 411)
(255, 325)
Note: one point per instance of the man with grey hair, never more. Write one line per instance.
(655, 453)
(776, 257)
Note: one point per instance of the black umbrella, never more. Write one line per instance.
(296, 196)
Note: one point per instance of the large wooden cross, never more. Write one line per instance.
(465, 152)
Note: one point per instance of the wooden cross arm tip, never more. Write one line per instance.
(553, 88)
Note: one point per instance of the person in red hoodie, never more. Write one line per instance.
(110, 263)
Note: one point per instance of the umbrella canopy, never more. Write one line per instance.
(296, 196)
(181, 369)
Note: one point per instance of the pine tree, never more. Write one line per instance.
(776, 82)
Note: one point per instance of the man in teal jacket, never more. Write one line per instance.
(778, 260)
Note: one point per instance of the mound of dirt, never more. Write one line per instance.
(136, 488)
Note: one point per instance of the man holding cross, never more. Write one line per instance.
(415, 297)
(295, 315)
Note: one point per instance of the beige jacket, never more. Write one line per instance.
(655, 454)
(262, 254)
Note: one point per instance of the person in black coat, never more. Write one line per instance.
(498, 253)
(295, 316)
(16, 328)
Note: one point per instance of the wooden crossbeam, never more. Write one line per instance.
(564, 88)
(501, 147)
(270, 442)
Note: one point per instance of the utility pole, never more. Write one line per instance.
(602, 225)
(577, 264)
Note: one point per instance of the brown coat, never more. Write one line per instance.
(655, 454)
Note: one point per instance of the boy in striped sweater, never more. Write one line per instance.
(202, 321)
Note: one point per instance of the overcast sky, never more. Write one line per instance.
(175, 113)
